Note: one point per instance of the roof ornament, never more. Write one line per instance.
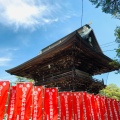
(85, 32)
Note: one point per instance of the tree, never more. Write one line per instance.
(111, 7)
(108, 6)
(111, 91)
(117, 34)
(22, 79)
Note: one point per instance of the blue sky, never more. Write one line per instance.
(27, 26)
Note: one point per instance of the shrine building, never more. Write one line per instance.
(69, 63)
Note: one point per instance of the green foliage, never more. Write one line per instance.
(108, 6)
(111, 91)
(22, 79)
(116, 62)
(117, 35)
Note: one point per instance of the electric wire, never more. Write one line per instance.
(108, 50)
(106, 83)
(107, 43)
(82, 14)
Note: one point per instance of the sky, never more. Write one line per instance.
(27, 26)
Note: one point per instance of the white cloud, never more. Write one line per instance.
(30, 13)
(4, 61)
(20, 13)
(6, 55)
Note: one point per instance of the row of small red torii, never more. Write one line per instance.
(29, 102)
